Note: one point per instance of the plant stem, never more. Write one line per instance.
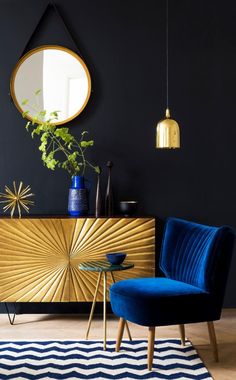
(83, 157)
(75, 154)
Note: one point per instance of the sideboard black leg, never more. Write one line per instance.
(11, 319)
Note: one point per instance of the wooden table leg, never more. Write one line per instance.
(93, 305)
(126, 323)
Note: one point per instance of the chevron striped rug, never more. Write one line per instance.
(87, 360)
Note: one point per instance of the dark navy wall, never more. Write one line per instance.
(123, 44)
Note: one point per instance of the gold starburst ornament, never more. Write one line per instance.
(17, 199)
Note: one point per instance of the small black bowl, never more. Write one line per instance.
(128, 208)
(116, 258)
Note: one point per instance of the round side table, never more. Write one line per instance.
(103, 267)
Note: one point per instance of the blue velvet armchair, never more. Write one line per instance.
(195, 260)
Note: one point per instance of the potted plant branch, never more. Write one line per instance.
(60, 149)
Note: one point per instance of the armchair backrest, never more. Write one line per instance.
(197, 254)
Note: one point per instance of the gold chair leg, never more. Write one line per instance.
(212, 336)
(105, 310)
(126, 323)
(151, 341)
(93, 305)
(182, 334)
(121, 327)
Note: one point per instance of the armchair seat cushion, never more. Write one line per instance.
(159, 301)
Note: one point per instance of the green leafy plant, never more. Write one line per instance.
(58, 146)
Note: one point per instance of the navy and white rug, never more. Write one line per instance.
(87, 360)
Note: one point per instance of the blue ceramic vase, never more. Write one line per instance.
(78, 199)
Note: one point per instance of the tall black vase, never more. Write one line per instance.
(109, 210)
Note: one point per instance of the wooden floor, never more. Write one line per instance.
(73, 327)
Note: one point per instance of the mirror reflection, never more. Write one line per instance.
(62, 78)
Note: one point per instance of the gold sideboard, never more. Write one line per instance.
(39, 257)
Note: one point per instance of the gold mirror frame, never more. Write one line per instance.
(38, 49)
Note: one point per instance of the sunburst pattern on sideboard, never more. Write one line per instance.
(39, 257)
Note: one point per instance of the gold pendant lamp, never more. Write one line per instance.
(167, 130)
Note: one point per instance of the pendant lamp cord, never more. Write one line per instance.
(167, 53)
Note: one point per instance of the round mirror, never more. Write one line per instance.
(51, 78)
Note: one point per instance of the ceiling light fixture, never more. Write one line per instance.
(167, 130)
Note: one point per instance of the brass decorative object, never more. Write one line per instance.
(167, 130)
(167, 134)
(40, 257)
(17, 199)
